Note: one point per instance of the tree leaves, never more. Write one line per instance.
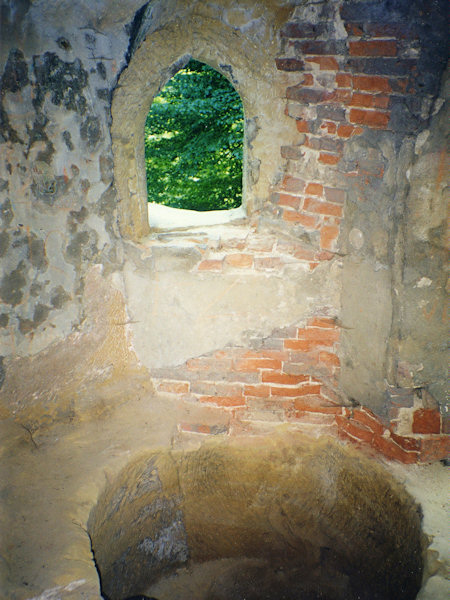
(193, 142)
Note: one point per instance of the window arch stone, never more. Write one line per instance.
(242, 58)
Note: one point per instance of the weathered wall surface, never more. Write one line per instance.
(322, 311)
(337, 136)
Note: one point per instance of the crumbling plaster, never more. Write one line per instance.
(62, 214)
(91, 298)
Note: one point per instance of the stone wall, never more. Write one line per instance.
(321, 312)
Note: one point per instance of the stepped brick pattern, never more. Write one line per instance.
(292, 376)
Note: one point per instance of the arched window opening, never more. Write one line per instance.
(194, 142)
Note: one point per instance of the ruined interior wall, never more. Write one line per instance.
(359, 84)
(323, 310)
(347, 90)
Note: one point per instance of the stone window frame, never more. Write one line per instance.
(159, 57)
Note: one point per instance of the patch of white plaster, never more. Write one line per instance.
(165, 217)
(55, 593)
(421, 139)
(424, 282)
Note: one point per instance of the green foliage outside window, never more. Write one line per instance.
(193, 142)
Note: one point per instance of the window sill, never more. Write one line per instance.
(166, 218)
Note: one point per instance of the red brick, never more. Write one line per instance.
(225, 401)
(309, 388)
(282, 378)
(329, 159)
(324, 255)
(322, 208)
(407, 443)
(173, 387)
(302, 126)
(347, 131)
(371, 83)
(343, 80)
(320, 335)
(315, 189)
(313, 402)
(326, 63)
(326, 322)
(289, 200)
(328, 235)
(354, 29)
(373, 48)
(253, 364)
(434, 449)
(369, 419)
(393, 451)
(201, 428)
(301, 345)
(316, 404)
(210, 265)
(426, 420)
(269, 262)
(369, 100)
(295, 391)
(330, 126)
(330, 359)
(257, 390)
(296, 217)
(359, 99)
(194, 428)
(289, 64)
(371, 118)
(239, 260)
(292, 184)
(354, 429)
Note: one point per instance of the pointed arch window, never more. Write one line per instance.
(194, 142)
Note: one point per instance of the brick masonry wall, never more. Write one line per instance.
(359, 68)
(291, 377)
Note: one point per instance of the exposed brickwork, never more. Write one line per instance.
(292, 378)
(342, 85)
(292, 372)
(426, 420)
(349, 82)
